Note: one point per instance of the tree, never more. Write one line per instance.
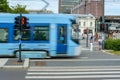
(4, 7)
(19, 9)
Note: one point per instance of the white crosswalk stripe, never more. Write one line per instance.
(72, 73)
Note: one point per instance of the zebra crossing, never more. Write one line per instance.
(73, 73)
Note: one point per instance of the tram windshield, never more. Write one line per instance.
(75, 33)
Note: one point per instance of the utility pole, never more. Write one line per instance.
(103, 21)
(20, 41)
(87, 37)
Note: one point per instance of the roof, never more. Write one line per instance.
(36, 18)
(83, 15)
(111, 17)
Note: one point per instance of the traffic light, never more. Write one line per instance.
(100, 19)
(24, 23)
(102, 27)
(17, 22)
(21, 22)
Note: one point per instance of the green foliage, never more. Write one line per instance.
(112, 44)
(109, 44)
(116, 45)
(19, 9)
(4, 7)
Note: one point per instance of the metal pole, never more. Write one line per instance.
(103, 21)
(87, 38)
(20, 60)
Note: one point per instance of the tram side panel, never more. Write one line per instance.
(6, 46)
(53, 35)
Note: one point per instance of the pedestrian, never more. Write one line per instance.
(100, 43)
(91, 43)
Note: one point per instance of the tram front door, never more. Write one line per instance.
(62, 39)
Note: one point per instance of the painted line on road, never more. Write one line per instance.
(71, 69)
(77, 67)
(107, 52)
(64, 73)
(74, 67)
(12, 67)
(26, 63)
(3, 62)
(70, 77)
(76, 60)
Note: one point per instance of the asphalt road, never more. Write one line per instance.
(12, 74)
(97, 55)
(99, 66)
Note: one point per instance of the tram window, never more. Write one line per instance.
(41, 33)
(61, 37)
(3, 35)
(75, 34)
(25, 34)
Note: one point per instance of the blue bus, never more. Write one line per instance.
(48, 35)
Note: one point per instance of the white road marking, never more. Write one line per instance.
(74, 67)
(70, 77)
(77, 73)
(76, 59)
(3, 62)
(71, 69)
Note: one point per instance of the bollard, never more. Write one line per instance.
(91, 46)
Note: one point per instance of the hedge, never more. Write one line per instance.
(112, 44)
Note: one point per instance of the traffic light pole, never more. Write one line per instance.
(87, 38)
(103, 21)
(20, 41)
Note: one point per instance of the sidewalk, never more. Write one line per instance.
(13, 63)
(95, 45)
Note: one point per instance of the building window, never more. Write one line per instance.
(79, 23)
(84, 24)
(91, 24)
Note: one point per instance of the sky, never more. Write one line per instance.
(112, 7)
(36, 4)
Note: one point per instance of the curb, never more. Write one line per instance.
(3, 61)
(107, 52)
(25, 65)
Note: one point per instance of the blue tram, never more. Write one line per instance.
(48, 35)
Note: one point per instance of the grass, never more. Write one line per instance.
(114, 52)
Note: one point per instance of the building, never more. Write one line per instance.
(93, 7)
(65, 6)
(113, 26)
(86, 22)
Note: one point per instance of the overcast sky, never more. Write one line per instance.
(112, 7)
(36, 4)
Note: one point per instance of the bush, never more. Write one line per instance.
(109, 44)
(112, 44)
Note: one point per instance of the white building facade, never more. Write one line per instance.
(86, 22)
